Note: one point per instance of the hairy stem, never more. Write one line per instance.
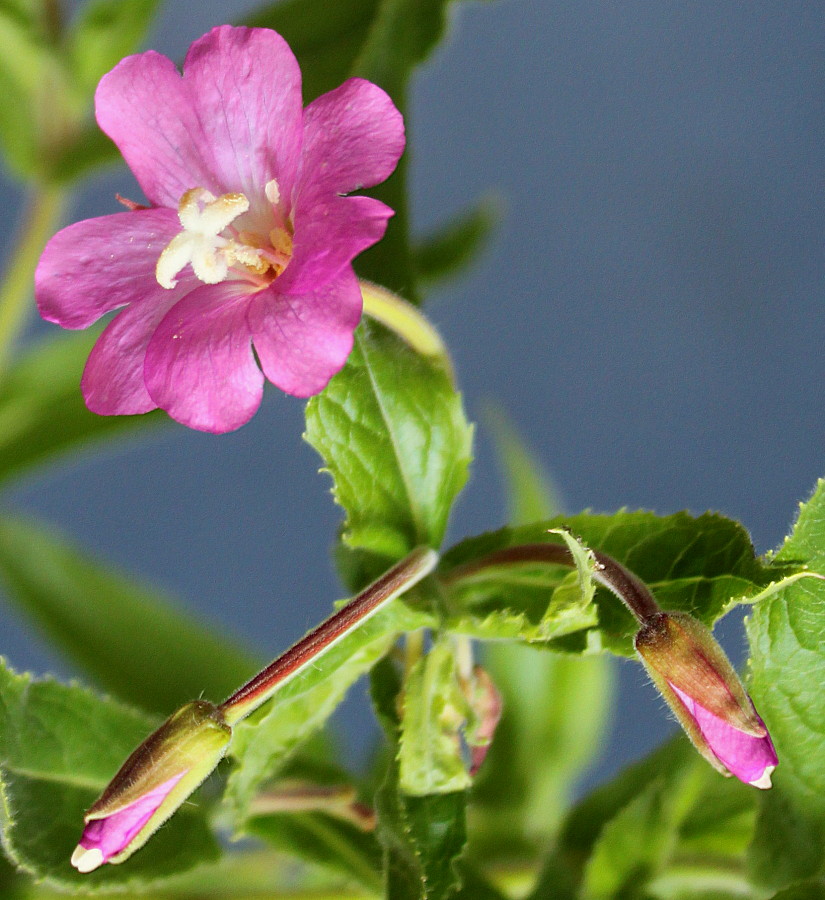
(391, 584)
(632, 591)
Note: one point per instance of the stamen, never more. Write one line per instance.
(273, 192)
(203, 217)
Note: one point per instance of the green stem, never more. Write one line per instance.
(45, 207)
(408, 322)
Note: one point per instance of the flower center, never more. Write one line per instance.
(214, 247)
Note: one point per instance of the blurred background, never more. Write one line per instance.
(649, 311)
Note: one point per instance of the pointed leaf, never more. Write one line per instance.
(129, 639)
(391, 429)
(42, 413)
(423, 837)
(59, 747)
(787, 638)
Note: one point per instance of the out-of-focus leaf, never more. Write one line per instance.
(103, 32)
(326, 37)
(528, 489)
(429, 752)
(552, 727)
(42, 413)
(787, 639)
(668, 820)
(326, 841)
(127, 638)
(392, 432)
(59, 747)
(448, 250)
(809, 890)
(30, 73)
(88, 149)
(264, 741)
(703, 565)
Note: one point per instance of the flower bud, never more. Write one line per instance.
(701, 687)
(153, 782)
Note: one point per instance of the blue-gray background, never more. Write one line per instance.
(649, 312)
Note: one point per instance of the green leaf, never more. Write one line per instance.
(326, 38)
(809, 890)
(552, 728)
(324, 840)
(423, 837)
(667, 822)
(129, 639)
(702, 565)
(451, 248)
(632, 847)
(59, 747)
(29, 73)
(530, 494)
(392, 432)
(42, 413)
(264, 741)
(787, 638)
(103, 32)
(429, 752)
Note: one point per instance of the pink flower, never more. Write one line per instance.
(242, 262)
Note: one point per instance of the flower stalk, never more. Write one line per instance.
(609, 573)
(407, 321)
(683, 659)
(395, 581)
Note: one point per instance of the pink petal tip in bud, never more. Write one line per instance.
(106, 837)
(750, 758)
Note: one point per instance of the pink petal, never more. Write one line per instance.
(353, 138)
(146, 108)
(199, 363)
(231, 123)
(246, 84)
(302, 341)
(97, 265)
(113, 833)
(327, 238)
(113, 380)
(744, 755)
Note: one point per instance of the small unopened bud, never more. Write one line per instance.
(701, 687)
(153, 782)
(485, 703)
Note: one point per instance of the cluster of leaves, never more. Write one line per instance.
(394, 438)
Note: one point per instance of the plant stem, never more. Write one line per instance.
(43, 212)
(406, 321)
(630, 589)
(395, 581)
